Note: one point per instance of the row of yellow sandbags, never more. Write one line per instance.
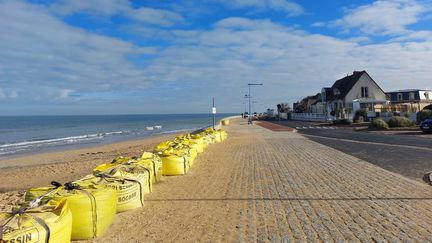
(179, 155)
(85, 208)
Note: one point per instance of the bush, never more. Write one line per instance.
(342, 122)
(360, 113)
(379, 124)
(423, 115)
(398, 121)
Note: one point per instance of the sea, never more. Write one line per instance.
(33, 134)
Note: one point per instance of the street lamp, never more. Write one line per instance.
(249, 96)
(246, 96)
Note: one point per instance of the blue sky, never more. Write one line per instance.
(123, 57)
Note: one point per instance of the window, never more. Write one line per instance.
(426, 95)
(364, 92)
(411, 96)
(399, 96)
(336, 91)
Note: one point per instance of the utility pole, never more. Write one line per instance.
(249, 115)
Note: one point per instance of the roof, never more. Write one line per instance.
(344, 85)
(408, 90)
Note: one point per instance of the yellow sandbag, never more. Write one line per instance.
(187, 152)
(134, 169)
(147, 165)
(125, 166)
(193, 144)
(162, 146)
(174, 165)
(213, 135)
(199, 144)
(117, 161)
(206, 140)
(157, 164)
(130, 189)
(217, 136)
(120, 160)
(93, 207)
(51, 222)
(223, 135)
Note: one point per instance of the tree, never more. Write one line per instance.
(283, 107)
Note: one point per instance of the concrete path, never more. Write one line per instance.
(261, 186)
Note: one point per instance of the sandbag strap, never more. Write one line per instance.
(154, 169)
(93, 209)
(184, 164)
(149, 177)
(104, 176)
(149, 174)
(36, 202)
(21, 211)
(141, 189)
(45, 226)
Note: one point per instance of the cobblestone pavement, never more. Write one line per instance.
(261, 186)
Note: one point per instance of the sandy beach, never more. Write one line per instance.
(19, 173)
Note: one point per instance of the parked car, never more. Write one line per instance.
(426, 126)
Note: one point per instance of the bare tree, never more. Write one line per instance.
(283, 107)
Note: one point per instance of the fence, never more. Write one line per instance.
(323, 117)
(308, 117)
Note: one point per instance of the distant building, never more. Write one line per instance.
(305, 105)
(409, 100)
(351, 93)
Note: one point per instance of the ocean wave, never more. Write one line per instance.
(71, 139)
(178, 131)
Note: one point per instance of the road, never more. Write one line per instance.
(409, 155)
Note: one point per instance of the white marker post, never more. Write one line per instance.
(214, 114)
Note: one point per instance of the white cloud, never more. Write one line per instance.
(41, 56)
(289, 7)
(64, 93)
(13, 94)
(107, 8)
(154, 16)
(383, 17)
(7, 95)
(95, 7)
(359, 39)
(319, 24)
(290, 63)
(2, 94)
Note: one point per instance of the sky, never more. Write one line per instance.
(71, 57)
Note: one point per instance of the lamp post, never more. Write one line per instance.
(249, 96)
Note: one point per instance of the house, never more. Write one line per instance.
(409, 100)
(351, 93)
(305, 105)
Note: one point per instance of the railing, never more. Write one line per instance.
(308, 117)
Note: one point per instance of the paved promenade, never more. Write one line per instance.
(261, 185)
